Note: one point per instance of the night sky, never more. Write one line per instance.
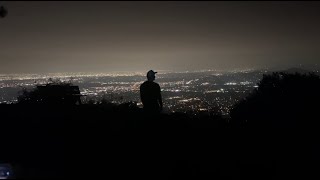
(38, 37)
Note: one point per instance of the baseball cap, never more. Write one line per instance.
(151, 73)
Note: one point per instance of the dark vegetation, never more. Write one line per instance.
(271, 133)
(281, 101)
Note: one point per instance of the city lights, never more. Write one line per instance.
(184, 91)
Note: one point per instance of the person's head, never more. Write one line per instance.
(151, 75)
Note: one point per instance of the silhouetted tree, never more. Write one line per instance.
(281, 100)
(54, 92)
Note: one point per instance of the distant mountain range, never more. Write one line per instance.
(303, 69)
(299, 70)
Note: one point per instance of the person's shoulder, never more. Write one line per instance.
(144, 84)
(156, 85)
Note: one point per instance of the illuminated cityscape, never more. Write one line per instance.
(182, 92)
(197, 91)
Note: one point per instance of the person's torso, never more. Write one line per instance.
(150, 92)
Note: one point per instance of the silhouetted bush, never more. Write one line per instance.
(281, 100)
(56, 92)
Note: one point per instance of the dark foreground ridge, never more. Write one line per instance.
(271, 134)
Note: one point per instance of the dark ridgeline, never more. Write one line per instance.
(49, 133)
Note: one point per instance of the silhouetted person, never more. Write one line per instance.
(150, 94)
(3, 12)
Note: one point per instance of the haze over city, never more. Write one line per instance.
(50, 37)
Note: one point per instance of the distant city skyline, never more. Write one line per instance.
(196, 91)
(51, 37)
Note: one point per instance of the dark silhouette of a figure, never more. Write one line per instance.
(150, 94)
(3, 12)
